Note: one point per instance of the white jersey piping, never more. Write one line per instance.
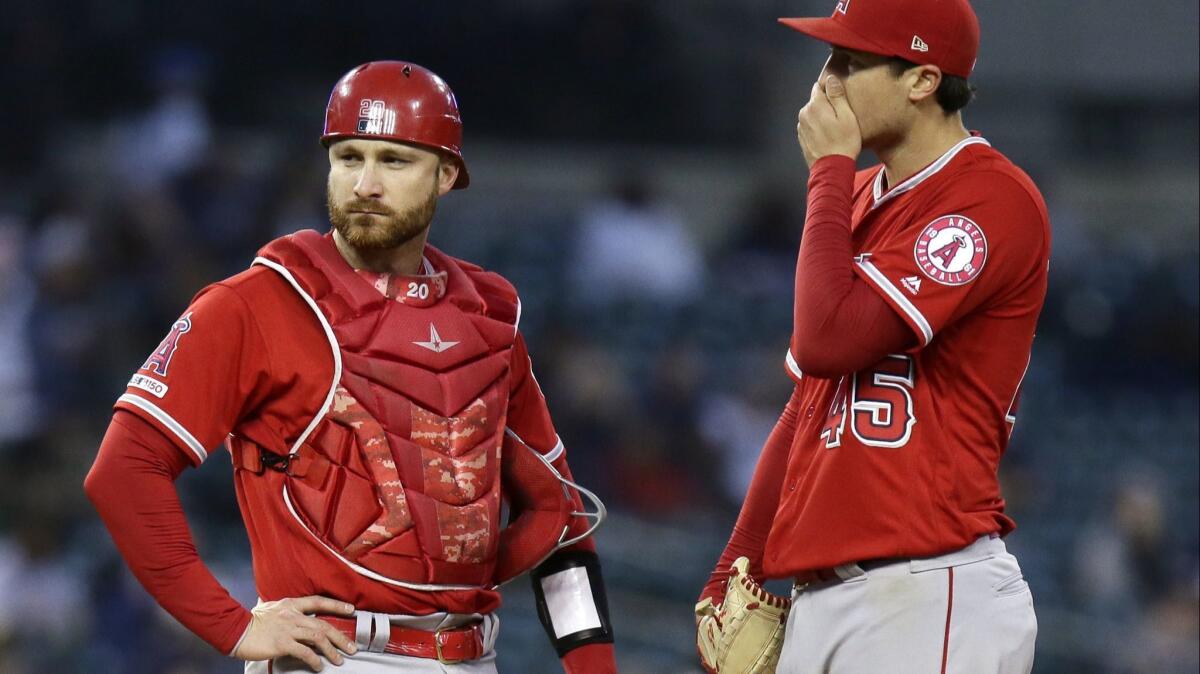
(792, 365)
(333, 344)
(1008, 414)
(920, 177)
(901, 301)
(167, 420)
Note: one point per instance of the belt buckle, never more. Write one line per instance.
(437, 646)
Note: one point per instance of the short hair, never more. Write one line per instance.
(952, 94)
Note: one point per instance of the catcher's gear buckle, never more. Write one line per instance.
(437, 647)
(276, 462)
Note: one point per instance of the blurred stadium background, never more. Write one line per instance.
(635, 172)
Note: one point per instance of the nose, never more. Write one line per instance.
(368, 184)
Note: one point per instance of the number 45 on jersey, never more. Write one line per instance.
(879, 402)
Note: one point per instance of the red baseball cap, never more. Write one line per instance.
(944, 33)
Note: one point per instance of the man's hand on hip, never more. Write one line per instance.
(280, 628)
(827, 125)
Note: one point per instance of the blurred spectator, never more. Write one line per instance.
(18, 406)
(1123, 562)
(1165, 641)
(631, 246)
(738, 420)
(69, 324)
(45, 607)
(170, 137)
(763, 244)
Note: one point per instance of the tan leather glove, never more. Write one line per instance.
(744, 634)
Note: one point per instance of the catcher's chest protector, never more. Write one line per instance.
(400, 473)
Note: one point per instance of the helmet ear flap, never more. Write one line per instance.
(541, 509)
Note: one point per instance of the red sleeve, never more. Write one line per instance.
(841, 324)
(132, 486)
(590, 659)
(762, 500)
(529, 418)
(984, 237)
(211, 366)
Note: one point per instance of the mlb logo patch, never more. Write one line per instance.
(842, 6)
(375, 118)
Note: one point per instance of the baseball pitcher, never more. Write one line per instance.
(918, 287)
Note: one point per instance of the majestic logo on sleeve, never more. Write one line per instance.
(161, 358)
(951, 250)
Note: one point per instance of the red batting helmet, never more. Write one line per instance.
(398, 101)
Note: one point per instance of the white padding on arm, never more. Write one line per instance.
(569, 602)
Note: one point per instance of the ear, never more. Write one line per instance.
(923, 82)
(447, 174)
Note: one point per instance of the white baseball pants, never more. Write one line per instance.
(965, 612)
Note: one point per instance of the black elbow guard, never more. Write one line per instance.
(571, 601)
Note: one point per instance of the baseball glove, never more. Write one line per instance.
(742, 635)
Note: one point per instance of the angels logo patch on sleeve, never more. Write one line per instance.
(951, 250)
(161, 358)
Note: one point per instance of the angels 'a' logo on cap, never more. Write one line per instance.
(951, 250)
(842, 6)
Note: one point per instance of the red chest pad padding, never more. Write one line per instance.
(541, 511)
(403, 473)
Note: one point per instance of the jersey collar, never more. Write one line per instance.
(419, 290)
(923, 174)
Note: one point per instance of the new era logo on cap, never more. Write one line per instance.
(919, 45)
(842, 6)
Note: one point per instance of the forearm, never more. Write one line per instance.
(132, 487)
(840, 324)
(753, 524)
(580, 591)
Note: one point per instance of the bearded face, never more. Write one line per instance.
(381, 194)
(372, 225)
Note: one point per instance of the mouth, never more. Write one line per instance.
(368, 212)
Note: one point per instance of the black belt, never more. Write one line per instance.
(830, 575)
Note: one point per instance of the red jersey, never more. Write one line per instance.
(250, 358)
(900, 459)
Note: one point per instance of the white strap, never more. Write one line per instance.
(848, 571)
(383, 631)
(362, 628)
(491, 630)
